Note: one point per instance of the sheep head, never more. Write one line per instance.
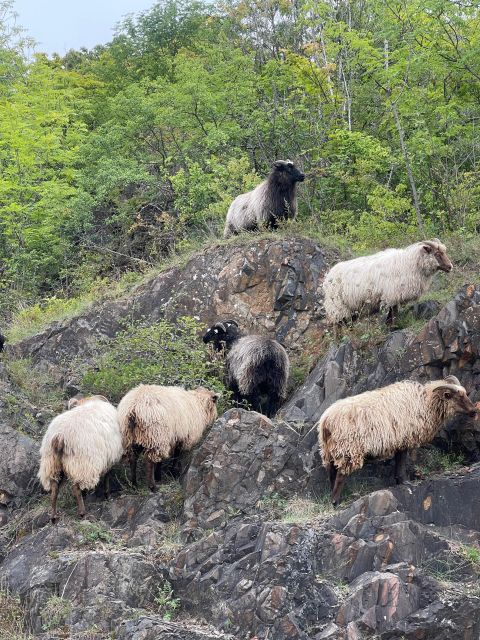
(435, 256)
(209, 401)
(222, 334)
(286, 171)
(453, 396)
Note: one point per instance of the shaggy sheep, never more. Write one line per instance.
(157, 420)
(81, 444)
(386, 422)
(274, 199)
(384, 279)
(257, 366)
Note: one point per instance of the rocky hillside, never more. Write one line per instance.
(246, 545)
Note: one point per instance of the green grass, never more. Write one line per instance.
(38, 386)
(431, 461)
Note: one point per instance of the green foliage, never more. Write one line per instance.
(167, 605)
(37, 385)
(115, 158)
(436, 461)
(164, 353)
(93, 532)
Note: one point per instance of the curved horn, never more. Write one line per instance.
(439, 384)
(453, 380)
(222, 326)
(234, 322)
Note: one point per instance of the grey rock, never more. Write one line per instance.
(18, 465)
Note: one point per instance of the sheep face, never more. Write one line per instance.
(77, 401)
(435, 256)
(222, 334)
(286, 171)
(208, 399)
(456, 400)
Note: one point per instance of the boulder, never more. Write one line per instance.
(19, 459)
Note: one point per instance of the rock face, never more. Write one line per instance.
(18, 464)
(270, 286)
(448, 344)
(249, 546)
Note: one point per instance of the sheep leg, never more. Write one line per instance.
(337, 489)
(106, 486)
(392, 316)
(332, 472)
(79, 498)
(53, 500)
(151, 476)
(133, 468)
(400, 466)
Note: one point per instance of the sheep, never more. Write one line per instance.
(157, 420)
(272, 200)
(81, 444)
(385, 279)
(256, 366)
(2, 341)
(386, 422)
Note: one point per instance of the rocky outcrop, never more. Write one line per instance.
(365, 572)
(271, 286)
(448, 344)
(244, 458)
(18, 464)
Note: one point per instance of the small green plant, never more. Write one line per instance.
(12, 617)
(93, 532)
(299, 510)
(165, 353)
(166, 603)
(436, 461)
(472, 554)
(55, 612)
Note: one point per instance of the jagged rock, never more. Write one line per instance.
(426, 309)
(279, 580)
(269, 285)
(18, 465)
(448, 344)
(99, 586)
(244, 457)
(155, 628)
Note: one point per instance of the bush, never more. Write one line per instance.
(164, 353)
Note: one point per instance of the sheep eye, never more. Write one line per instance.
(448, 395)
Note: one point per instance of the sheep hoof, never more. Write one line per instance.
(153, 489)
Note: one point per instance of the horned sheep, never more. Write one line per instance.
(385, 422)
(257, 366)
(156, 420)
(385, 279)
(81, 444)
(272, 200)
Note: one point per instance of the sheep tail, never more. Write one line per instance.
(51, 465)
(325, 452)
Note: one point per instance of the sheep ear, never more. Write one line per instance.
(427, 248)
(216, 396)
(278, 164)
(73, 402)
(221, 326)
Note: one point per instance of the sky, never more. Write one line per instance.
(60, 25)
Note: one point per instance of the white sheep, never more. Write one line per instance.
(81, 444)
(156, 420)
(386, 422)
(273, 199)
(385, 279)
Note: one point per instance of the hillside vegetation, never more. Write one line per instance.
(116, 158)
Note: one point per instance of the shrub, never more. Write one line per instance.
(165, 353)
